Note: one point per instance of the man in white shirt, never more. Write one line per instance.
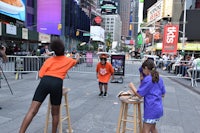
(195, 66)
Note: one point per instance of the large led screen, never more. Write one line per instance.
(49, 16)
(14, 9)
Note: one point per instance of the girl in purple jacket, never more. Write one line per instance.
(152, 89)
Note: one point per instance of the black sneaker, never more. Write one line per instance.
(101, 93)
(105, 94)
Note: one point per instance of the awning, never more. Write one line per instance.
(187, 46)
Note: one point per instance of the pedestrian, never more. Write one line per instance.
(3, 58)
(52, 73)
(152, 89)
(45, 51)
(104, 71)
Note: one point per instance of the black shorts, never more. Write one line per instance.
(101, 83)
(49, 85)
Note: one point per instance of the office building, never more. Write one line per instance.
(112, 25)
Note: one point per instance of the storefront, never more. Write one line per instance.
(18, 40)
(189, 48)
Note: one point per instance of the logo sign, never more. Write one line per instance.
(24, 33)
(98, 20)
(154, 13)
(11, 29)
(170, 39)
(44, 38)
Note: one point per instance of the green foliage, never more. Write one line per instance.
(125, 48)
(95, 46)
(108, 41)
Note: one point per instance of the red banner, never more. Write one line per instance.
(170, 39)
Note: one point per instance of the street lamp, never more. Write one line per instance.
(184, 21)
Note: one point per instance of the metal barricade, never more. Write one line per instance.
(27, 64)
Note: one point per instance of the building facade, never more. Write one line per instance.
(125, 9)
(112, 25)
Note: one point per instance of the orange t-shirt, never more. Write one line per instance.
(57, 66)
(104, 72)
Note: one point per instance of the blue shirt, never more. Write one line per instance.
(152, 93)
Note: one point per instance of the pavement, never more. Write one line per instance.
(93, 114)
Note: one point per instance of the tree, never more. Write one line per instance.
(108, 41)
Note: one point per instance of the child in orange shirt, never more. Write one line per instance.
(104, 71)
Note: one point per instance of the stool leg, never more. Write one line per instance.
(125, 117)
(139, 118)
(120, 117)
(47, 117)
(68, 114)
(135, 118)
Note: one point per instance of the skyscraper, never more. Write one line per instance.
(125, 8)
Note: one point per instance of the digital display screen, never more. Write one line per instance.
(49, 16)
(13, 9)
(118, 63)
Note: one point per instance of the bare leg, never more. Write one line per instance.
(100, 87)
(154, 129)
(55, 117)
(105, 87)
(146, 128)
(29, 116)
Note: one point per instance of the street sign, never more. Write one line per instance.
(86, 34)
(181, 39)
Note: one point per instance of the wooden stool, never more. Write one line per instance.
(62, 118)
(136, 117)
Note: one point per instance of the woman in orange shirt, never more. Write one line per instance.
(52, 73)
(104, 71)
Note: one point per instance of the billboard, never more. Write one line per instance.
(49, 16)
(108, 7)
(14, 9)
(154, 13)
(170, 39)
(97, 33)
(192, 28)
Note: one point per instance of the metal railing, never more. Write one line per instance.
(27, 64)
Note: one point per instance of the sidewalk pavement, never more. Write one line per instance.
(93, 114)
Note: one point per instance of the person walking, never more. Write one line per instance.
(104, 71)
(52, 73)
(152, 88)
(3, 58)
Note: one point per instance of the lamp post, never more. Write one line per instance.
(184, 22)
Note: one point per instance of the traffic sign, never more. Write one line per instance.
(86, 34)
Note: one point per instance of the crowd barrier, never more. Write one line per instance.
(27, 64)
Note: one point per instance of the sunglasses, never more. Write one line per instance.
(103, 59)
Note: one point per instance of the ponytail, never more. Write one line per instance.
(155, 75)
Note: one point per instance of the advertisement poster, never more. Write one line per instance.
(49, 16)
(118, 63)
(170, 39)
(14, 9)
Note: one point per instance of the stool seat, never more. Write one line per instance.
(123, 115)
(131, 99)
(62, 118)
